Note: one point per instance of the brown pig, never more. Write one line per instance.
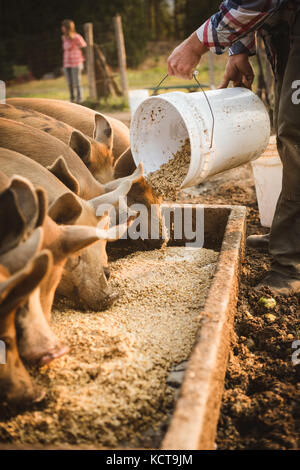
(60, 159)
(16, 387)
(96, 156)
(91, 123)
(10, 216)
(37, 343)
(84, 281)
(84, 119)
(45, 149)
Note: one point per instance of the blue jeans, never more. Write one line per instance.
(73, 77)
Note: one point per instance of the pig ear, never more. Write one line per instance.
(43, 206)
(134, 178)
(4, 182)
(61, 171)
(66, 209)
(125, 164)
(76, 238)
(115, 233)
(103, 132)
(15, 259)
(17, 288)
(27, 201)
(12, 222)
(81, 145)
(111, 198)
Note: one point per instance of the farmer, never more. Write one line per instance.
(233, 27)
(73, 58)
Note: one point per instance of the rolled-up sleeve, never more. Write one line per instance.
(234, 25)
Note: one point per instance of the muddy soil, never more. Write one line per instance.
(261, 402)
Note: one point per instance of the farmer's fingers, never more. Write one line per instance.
(248, 75)
(225, 82)
(171, 72)
(248, 81)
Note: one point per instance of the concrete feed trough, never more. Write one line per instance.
(193, 423)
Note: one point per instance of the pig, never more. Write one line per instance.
(16, 387)
(84, 119)
(10, 216)
(44, 149)
(84, 280)
(96, 156)
(125, 165)
(93, 124)
(37, 344)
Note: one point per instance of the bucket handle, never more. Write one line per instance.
(206, 97)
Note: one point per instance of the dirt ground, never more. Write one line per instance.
(261, 402)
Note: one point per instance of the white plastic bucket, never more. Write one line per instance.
(267, 172)
(136, 97)
(161, 124)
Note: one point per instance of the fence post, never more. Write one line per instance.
(122, 54)
(89, 37)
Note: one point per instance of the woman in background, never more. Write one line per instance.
(73, 59)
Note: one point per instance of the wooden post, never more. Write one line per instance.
(122, 54)
(89, 37)
(211, 61)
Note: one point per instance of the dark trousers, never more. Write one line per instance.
(73, 77)
(283, 44)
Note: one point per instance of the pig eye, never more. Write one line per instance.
(9, 343)
(107, 272)
(76, 262)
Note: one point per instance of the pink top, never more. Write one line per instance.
(72, 51)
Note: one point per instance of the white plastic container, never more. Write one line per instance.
(161, 124)
(267, 172)
(136, 97)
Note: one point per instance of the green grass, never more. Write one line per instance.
(146, 76)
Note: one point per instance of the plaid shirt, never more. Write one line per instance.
(72, 51)
(235, 25)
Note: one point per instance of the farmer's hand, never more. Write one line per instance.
(239, 71)
(185, 58)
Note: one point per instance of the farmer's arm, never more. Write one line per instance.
(233, 26)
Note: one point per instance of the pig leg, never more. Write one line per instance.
(37, 343)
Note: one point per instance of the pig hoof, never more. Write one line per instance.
(52, 355)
